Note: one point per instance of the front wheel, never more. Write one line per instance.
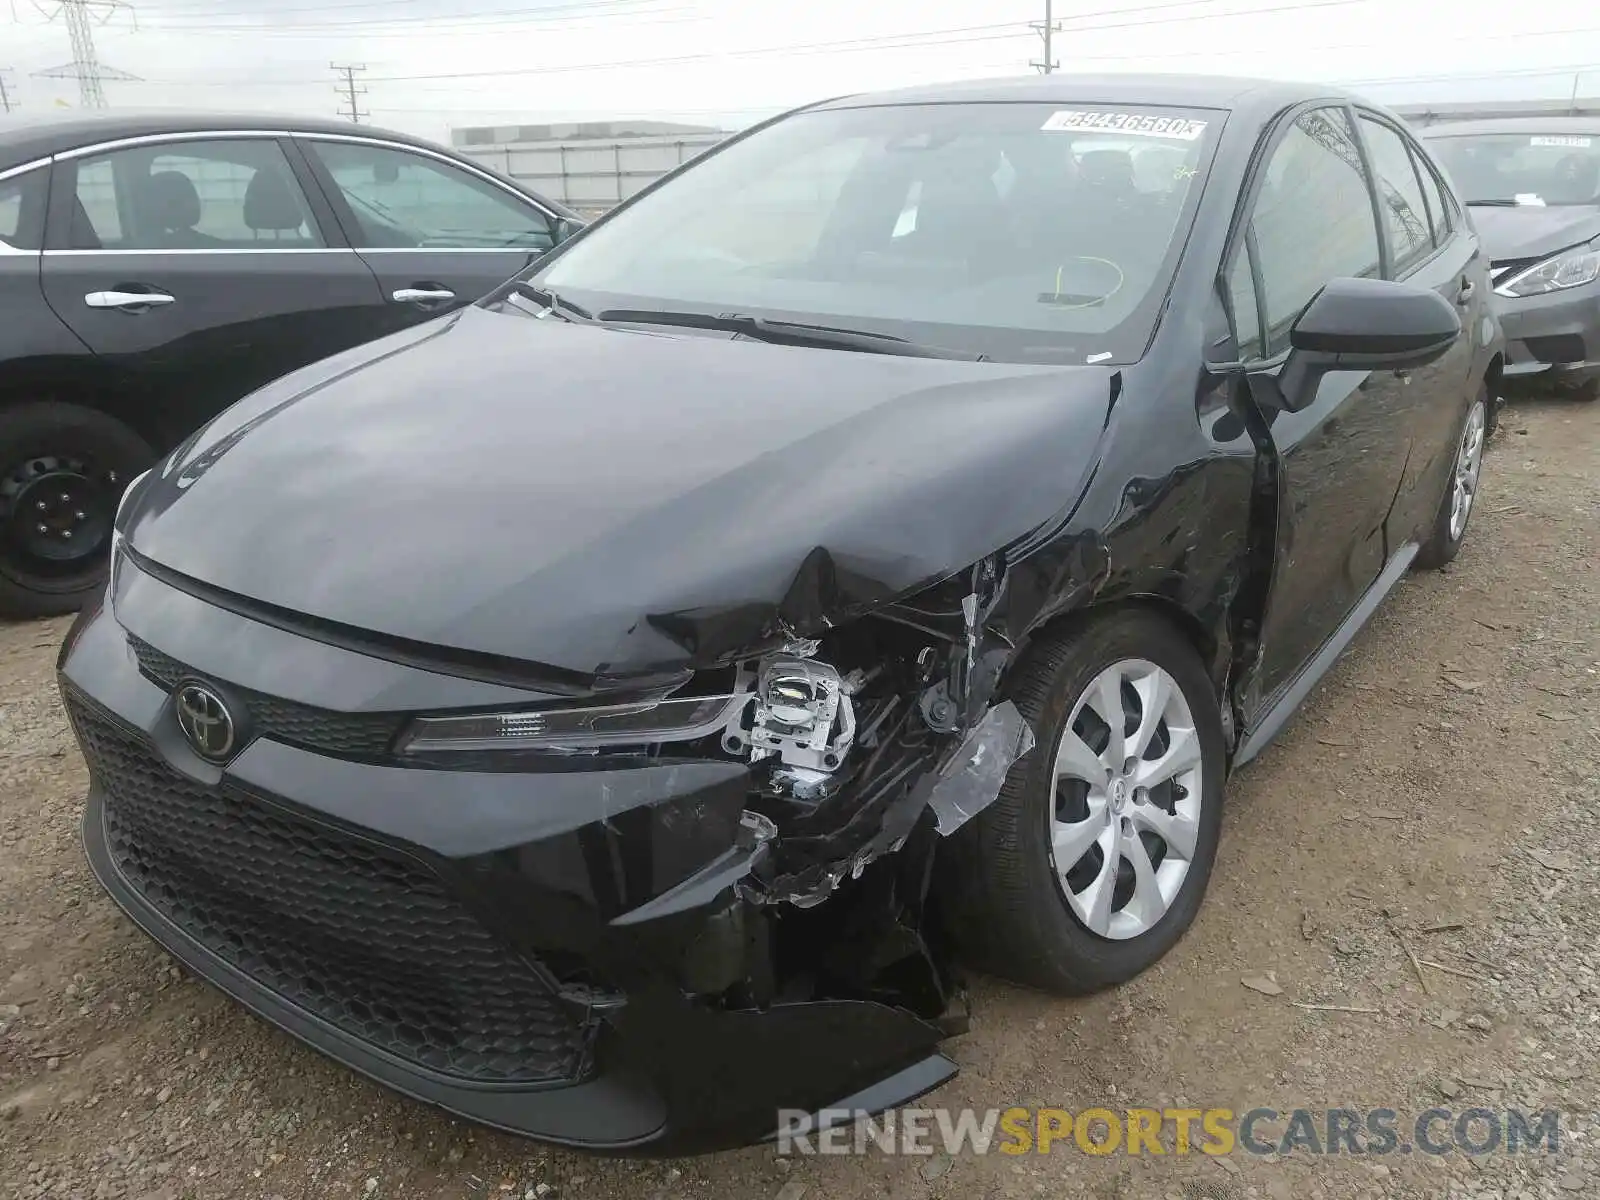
(63, 468)
(1095, 857)
(1461, 490)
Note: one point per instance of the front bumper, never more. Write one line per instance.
(1552, 337)
(532, 952)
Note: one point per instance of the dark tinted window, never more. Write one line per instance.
(201, 195)
(1313, 219)
(21, 210)
(1405, 214)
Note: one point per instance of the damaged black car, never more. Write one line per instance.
(612, 711)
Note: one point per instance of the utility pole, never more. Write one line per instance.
(6, 101)
(1045, 28)
(80, 18)
(352, 94)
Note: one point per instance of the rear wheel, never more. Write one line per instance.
(1095, 857)
(1461, 490)
(62, 470)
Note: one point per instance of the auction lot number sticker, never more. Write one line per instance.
(1143, 124)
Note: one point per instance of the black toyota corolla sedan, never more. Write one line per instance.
(611, 711)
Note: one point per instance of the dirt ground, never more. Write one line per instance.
(1443, 782)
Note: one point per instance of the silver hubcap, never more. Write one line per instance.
(1469, 462)
(1125, 800)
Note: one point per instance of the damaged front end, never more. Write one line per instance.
(875, 739)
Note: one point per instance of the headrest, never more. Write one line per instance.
(1107, 168)
(168, 201)
(270, 202)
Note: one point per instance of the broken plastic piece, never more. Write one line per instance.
(972, 779)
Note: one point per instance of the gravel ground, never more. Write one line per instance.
(1439, 795)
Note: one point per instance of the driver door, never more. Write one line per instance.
(435, 234)
(1341, 458)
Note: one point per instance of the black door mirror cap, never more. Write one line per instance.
(1365, 325)
(1369, 323)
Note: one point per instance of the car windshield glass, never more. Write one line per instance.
(1019, 232)
(1527, 168)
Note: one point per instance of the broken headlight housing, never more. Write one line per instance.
(1569, 269)
(785, 707)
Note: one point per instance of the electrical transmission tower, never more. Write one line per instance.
(8, 97)
(80, 17)
(1045, 29)
(351, 107)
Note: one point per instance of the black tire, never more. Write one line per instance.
(94, 457)
(1442, 545)
(998, 887)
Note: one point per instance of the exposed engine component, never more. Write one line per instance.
(803, 716)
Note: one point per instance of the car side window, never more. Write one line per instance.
(1246, 312)
(21, 210)
(1313, 220)
(1405, 214)
(202, 195)
(405, 200)
(1439, 212)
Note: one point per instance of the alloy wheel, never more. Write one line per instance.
(1125, 800)
(1469, 465)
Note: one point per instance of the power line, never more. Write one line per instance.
(351, 106)
(901, 41)
(1045, 28)
(274, 22)
(80, 18)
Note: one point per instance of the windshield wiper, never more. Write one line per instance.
(557, 304)
(1493, 204)
(787, 333)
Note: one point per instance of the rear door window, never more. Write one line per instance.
(22, 210)
(1405, 212)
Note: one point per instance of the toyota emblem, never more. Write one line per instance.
(205, 720)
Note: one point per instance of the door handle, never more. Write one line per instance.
(411, 295)
(127, 299)
(1464, 296)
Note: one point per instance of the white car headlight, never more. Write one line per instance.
(1569, 269)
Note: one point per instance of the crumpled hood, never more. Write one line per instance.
(1532, 230)
(604, 501)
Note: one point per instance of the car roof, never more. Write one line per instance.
(1548, 125)
(1255, 97)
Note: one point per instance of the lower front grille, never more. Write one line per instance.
(363, 937)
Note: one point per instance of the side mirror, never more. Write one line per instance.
(1365, 325)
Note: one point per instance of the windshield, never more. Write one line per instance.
(1526, 168)
(1020, 232)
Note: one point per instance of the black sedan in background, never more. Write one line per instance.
(156, 268)
(611, 710)
(1533, 184)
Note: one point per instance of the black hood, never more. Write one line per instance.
(1532, 230)
(608, 502)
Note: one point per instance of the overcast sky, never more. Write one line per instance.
(432, 64)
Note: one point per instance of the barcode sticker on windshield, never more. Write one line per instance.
(1141, 124)
(1581, 143)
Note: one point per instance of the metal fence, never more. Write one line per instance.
(588, 175)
